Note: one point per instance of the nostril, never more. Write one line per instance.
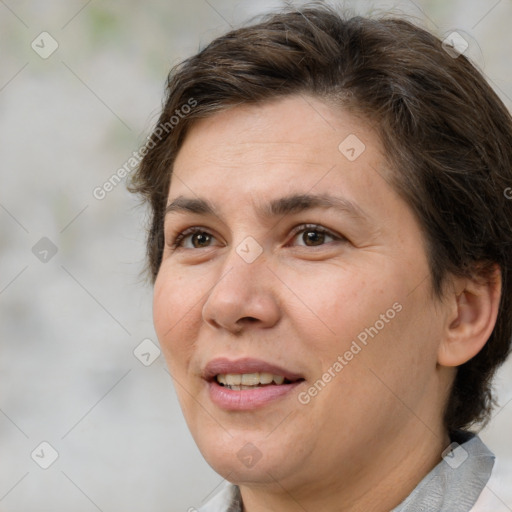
(245, 321)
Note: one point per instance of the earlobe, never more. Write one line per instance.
(474, 309)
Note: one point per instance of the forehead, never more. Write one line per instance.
(289, 140)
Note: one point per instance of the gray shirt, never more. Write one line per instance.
(454, 485)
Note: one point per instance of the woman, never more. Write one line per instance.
(330, 246)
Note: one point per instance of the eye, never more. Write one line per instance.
(307, 235)
(193, 238)
(312, 235)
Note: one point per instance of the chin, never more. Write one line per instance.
(243, 458)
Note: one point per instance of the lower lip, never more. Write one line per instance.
(248, 399)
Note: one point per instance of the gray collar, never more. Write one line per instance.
(454, 485)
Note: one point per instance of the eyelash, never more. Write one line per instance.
(303, 227)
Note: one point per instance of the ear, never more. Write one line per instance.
(472, 306)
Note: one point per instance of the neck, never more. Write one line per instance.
(379, 485)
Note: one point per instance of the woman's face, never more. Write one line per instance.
(304, 265)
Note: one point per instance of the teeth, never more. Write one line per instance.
(266, 378)
(248, 380)
(233, 379)
(278, 379)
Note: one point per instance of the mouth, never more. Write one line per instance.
(246, 384)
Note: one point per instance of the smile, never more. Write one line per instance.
(247, 384)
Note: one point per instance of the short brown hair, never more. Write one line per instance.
(447, 136)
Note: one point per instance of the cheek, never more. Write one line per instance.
(371, 317)
(175, 311)
(336, 305)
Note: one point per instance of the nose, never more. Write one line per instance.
(243, 297)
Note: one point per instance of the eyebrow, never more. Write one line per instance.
(287, 205)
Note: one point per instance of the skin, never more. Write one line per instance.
(370, 435)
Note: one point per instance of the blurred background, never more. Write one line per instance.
(88, 415)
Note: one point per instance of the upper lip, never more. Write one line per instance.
(245, 365)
